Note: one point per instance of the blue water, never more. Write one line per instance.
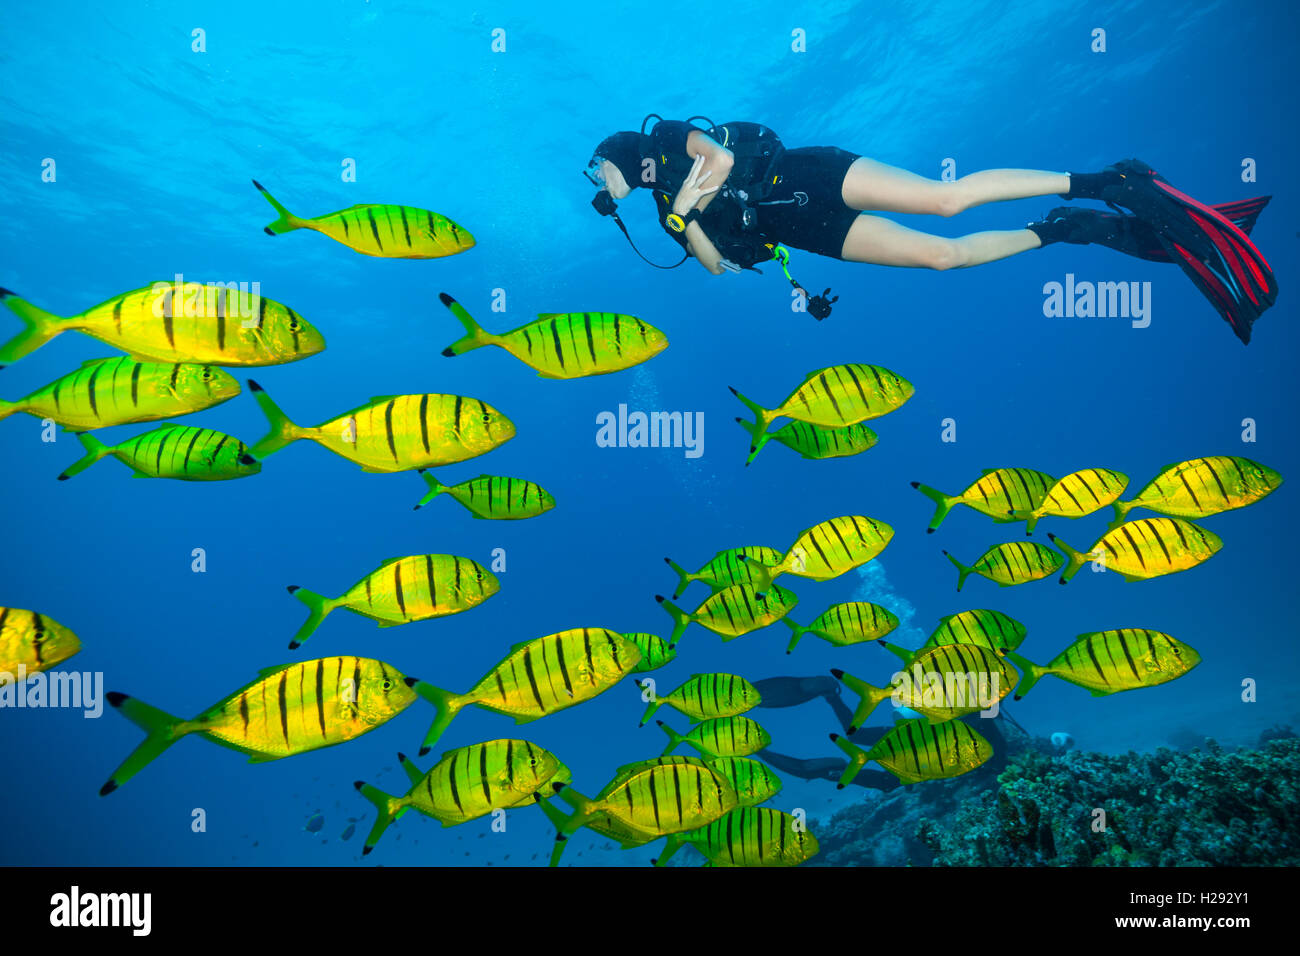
(154, 147)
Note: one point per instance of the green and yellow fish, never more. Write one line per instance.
(287, 710)
(1202, 487)
(373, 229)
(566, 344)
(732, 612)
(402, 590)
(494, 497)
(395, 432)
(539, 677)
(1076, 495)
(991, 629)
(1009, 564)
(827, 550)
(836, 397)
(655, 651)
(655, 800)
(753, 781)
(172, 451)
(1106, 662)
(31, 642)
(151, 324)
(748, 836)
(1145, 548)
(467, 783)
(732, 566)
(939, 684)
(121, 391)
(708, 695)
(916, 750)
(999, 493)
(720, 737)
(843, 624)
(813, 442)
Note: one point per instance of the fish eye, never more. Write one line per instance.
(295, 325)
(479, 575)
(387, 685)
(207, 374)
(487, 418)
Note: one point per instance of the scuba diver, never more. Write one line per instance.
(792, 691)
(733, 196)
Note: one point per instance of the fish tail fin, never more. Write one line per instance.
(39, 327)
(857, 760)
(675, 842)
(558, 820)
(389, 807)
(287, 221)
(674, 738)
(870, 694)
(475, 337)
(1075, 559)
(902, 652)
(445, 704)
(1029, 673)
(95, 450)
(963, 571)
(1031, 522)
(653, 706)
(8, 408)
(684, 577)
(943, 504)
(1122, 508)
(799, 630)
(161, 729)
(763, 417)
(565, 826)
(283, 431)
(436, 488)
(318, 607)
(757, 439)
(680, 619)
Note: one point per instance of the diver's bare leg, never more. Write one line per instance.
(877, 186)
(886, 243)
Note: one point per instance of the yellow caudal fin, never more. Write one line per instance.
(162, 729)
(943, 504)
(95, 450)
(436, 488)
(870, 694)
(283, 431)
(39, 327)
(287, 221)
(389, 807)
(318, 606)
(1076, 560)
(446, 706)
(763, 417)
(857, 760)
(757, 439)
(475, 337)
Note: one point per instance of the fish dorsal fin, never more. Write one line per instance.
(389, 562)
(269, 671)
(89, 362)
(378, 399)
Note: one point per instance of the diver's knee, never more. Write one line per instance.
(950, 199)
(945, 254)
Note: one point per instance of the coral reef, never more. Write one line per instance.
(1206, 807)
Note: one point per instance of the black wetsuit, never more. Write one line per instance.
(804, 209)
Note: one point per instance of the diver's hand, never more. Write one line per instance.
(693, 189)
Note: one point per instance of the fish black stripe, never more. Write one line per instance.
(284, 708)
(397, 586)
(424, 421)
(483, 773)
(532, 679)
(374, 229)
(406, 229)
(167, 318)
(320, 695)
(388, 425)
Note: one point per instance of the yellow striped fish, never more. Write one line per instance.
(566, 344)
(753, 781)
(1009, 564)
(181, 452)
(916, 750)
(732, 612)
(732, 566)
(493, 497)
(539, 677)
(843, 624)
(467, 783)
(206, 325)
(720, 737)
(395, 432)
(122, 391)
(939, 684)
(402, 590)
(991, 629)
(836, 397)
(655, 652)
(1202, 487)
(813, 442)
(828, 549)
(748, 836)
(373, 229)
(31, 642)
(287, 710)
(1106, 662)
(1076, 495)
(999, 493)
(659, 800)
(708, 695)
(1146, 548)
